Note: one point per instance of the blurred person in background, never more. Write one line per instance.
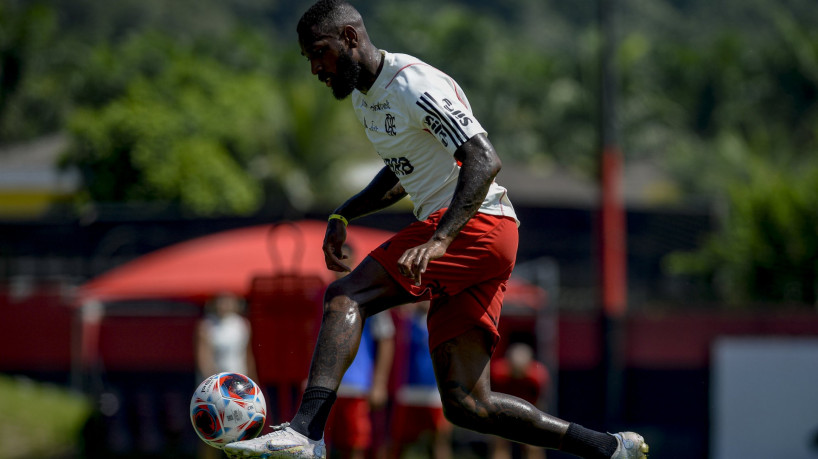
(223, 339)
(363, 389)
(222, 343)
(418, 411)
(518, 374)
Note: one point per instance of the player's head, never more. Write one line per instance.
(224, 303)
(331, 34)
(520, 356)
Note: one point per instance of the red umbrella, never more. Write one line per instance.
(225, 262)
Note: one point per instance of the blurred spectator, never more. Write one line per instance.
(518, 374)
(363, 388)
(222, 343)
(418, 412)
(223, 339)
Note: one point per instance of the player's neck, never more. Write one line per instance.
(371, 67)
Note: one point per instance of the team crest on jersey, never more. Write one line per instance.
(389, 125)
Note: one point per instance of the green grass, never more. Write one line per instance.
(39, 420)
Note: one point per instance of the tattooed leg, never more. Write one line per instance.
(462, 371)
(337, 344)
(347, 303)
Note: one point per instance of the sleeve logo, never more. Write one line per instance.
(444, 120)
(458, 114)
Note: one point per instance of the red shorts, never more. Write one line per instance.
(410, 422)
(466, 285)
(349, 425)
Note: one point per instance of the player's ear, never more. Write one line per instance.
(350, 36)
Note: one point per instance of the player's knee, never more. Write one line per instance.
(334, 296)
(336, 299)
(463, 409)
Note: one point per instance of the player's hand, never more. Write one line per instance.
(414, 261)
(334, 240)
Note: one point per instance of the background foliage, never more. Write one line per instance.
(207, 105)
(46, 422)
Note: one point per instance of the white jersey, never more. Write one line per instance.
(416, 117)
(229, 338)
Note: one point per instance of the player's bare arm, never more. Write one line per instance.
(479, 165)
(383, 191)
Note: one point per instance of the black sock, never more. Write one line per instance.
(312, 415)
(588, 443)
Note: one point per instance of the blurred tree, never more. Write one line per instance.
(207, 129)
(735, 123)
(167, 125)
(200, 103)
(30, 100)
(767, 249)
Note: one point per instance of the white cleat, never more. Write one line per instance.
(283, 442)
(631, 445)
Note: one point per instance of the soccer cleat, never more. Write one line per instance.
(283, 442)
(631, 445)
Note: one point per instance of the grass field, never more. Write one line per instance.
(39, 420)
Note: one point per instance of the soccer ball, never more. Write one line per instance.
(227, 407)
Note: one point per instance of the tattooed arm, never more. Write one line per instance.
(479, 165)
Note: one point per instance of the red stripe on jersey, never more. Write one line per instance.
(457, 93)
(404, 68)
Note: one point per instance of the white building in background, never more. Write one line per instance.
(30, 179)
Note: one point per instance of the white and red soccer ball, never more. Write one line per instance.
(227, 407)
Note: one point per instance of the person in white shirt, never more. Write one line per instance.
(459, 254)
(222, 343)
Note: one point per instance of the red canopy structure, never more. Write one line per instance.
(225, 262)
(283, 261)
(279, 269)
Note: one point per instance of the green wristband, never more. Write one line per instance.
(338, 217)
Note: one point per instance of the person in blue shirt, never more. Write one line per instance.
(418, 411)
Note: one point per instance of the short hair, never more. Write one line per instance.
(327, 15)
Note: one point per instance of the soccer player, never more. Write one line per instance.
(459, 253)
